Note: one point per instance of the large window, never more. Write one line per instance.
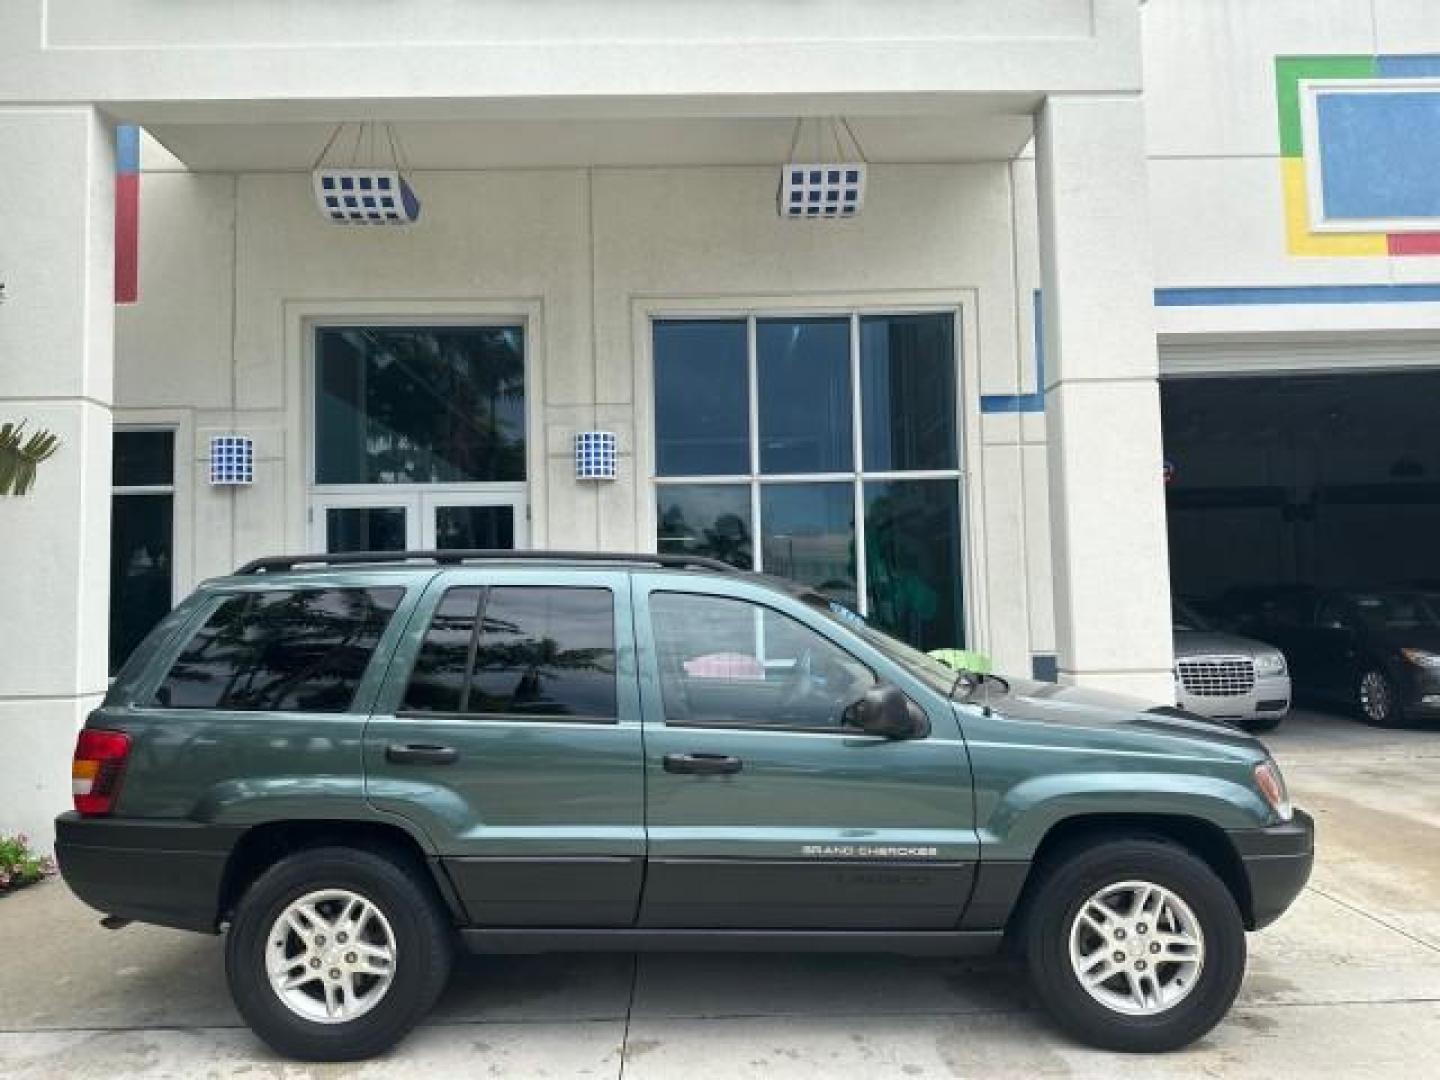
(825, 450)
(521, 651)
(419, 405)
(292, 650)
(142, 537)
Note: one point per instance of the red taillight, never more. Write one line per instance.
(96, 771)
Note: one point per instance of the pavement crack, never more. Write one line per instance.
(1376, 919)
(629, 1012)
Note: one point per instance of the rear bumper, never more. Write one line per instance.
(1277, 862)
(162, 872)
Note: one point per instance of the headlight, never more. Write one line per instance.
(1421, 658)
(1270, 664)
(1272, 788)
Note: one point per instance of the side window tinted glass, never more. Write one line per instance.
(733, 663)
(546, 652)
(295, 650)
(539, 651)
(437, 682)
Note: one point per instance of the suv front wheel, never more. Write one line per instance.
(335, 954)
(1135, 945)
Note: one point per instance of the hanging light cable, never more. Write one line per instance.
(821, 191)
(374, 194)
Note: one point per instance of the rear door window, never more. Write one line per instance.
(540, 652)
(291, 650)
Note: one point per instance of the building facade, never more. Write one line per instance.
(945, 409)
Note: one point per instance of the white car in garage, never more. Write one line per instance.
(1228, 677)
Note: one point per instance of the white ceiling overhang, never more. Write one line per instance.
(464, 136)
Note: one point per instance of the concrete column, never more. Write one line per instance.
(57, 188)
(1102, 404)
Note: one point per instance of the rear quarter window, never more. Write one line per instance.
(290, 650)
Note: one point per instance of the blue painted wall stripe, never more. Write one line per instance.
(1023, 403)
(127, 148)
(1407, 67)
(1221, 296)
(1260, 295)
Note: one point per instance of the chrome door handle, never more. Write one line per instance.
(421, 754)
(702, 764)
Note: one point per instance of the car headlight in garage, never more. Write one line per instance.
(1270, 664)
(1421, 658)
(1271, 785)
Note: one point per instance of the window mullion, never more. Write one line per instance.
(752, 375)
(480, 602)
(862, 598)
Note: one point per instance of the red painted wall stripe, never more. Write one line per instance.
(127, 214)
(1425, 243)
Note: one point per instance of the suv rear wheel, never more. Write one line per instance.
(335, 954)
(1135, 945)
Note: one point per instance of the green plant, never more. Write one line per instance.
(19, 865)
(18, 460)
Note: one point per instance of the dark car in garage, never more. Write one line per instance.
(1375, 652)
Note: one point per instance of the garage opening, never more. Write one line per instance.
(1327, 480)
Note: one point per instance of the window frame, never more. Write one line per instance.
(303, 319)
(485, 587)
(967, 425)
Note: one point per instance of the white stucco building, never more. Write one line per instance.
(946, 409)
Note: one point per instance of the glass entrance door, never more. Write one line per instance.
(418, 521)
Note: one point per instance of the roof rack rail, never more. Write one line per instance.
(279, 563)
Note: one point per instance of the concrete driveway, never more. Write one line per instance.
(1347, 984)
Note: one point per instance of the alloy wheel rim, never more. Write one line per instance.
(1374, 696)
(330, 956)
(1136, 948)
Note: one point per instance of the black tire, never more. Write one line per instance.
(1057, 901)
(1262, 725)
(423, 952)
(1377, 699)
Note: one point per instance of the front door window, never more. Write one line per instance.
(420, 438)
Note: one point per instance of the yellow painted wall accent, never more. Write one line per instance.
(1299, 240)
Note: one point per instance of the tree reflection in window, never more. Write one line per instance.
(409, 405)
(541, 651)
(291, 650)
(712, 520)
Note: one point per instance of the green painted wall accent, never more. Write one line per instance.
(1289, 70)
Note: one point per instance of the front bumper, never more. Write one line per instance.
(1420, 690)
(1270, 699)
(162, 872)
(1277, 861)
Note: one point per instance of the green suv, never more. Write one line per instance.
(355, 763)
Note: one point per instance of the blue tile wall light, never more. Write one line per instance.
(596, 455)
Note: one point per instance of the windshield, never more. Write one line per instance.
(932, 672)
(1184, 617)
(1397, 611)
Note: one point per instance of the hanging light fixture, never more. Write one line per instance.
(372, 192)
(824, 190)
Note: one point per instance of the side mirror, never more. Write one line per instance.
(886, 711)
